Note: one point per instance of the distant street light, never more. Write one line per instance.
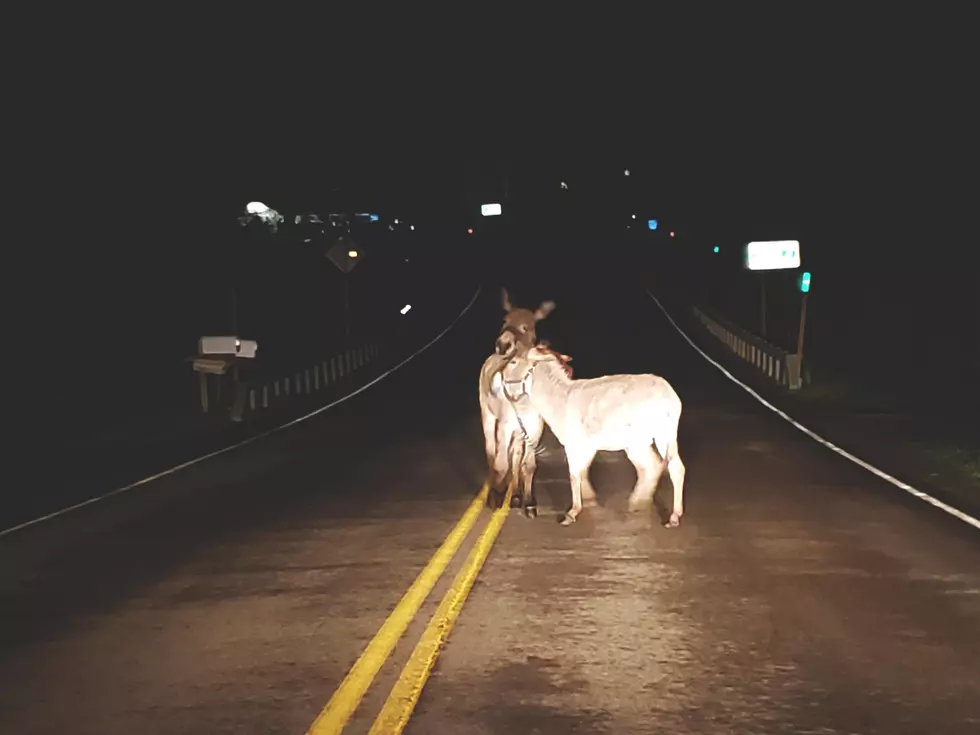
(626, 172)
(351, 253)
(268, 215)
(564, 185)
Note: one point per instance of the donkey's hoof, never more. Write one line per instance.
(674, 522)
(515, 501)
(494, 499)
(531, 511)
(567, 519)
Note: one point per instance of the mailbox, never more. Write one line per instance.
(227, 346)
(216, 356)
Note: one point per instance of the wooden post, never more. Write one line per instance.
(203, 378)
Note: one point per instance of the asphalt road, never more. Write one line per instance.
(800, 594)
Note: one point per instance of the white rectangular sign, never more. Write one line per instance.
(490, 210)
(772, 255)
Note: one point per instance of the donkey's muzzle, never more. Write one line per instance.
(505, 344)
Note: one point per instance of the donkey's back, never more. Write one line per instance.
(618, 410)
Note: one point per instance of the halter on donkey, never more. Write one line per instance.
(511, 427)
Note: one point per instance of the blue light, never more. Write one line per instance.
(805, 282)
(374, 217)
(652, 224)
(717, 249)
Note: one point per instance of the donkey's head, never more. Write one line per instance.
(516, 371)
(519, 324)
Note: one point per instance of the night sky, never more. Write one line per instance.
(863, 163)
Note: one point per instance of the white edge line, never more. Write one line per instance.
(913, 491)
(196, 460)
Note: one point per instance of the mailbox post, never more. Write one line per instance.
(215, 356)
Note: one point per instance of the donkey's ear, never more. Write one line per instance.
(546, 308)
(505, 299)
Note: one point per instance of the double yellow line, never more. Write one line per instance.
(405, 693)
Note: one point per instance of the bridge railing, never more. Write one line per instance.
(312, 378)
(782, 367)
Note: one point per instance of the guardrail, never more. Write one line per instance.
(260, 386)
(780, 366)
(311, 379)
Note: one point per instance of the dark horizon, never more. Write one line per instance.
(874, 214)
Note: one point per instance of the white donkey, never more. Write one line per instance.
(511, 430)
(611, 413)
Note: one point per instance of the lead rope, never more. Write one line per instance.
(513, 402)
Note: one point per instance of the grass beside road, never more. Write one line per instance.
(937, 452)
(945, 449)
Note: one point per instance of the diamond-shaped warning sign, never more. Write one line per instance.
(346, 254)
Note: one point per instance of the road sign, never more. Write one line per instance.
(345, 254)
(772, 255)
(490, 210)
(651, 224)
(805, 282)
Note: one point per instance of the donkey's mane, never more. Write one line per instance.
(561, 359)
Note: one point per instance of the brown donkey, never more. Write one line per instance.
(520, 324)
(511, 430)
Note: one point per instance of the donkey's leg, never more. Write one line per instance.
(677, 471)
(529, 501)
(490, 447)
(501, 465)
(648, 470)
(489, 436)
(579, 461)
(535, 428)
(588, 492)
(517, 453)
